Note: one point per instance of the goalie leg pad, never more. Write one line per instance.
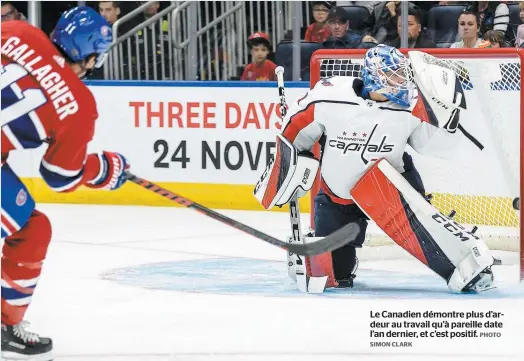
(403, 214)
(287, 173)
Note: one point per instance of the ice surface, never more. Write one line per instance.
(165, 284)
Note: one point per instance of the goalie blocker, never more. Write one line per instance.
(446, 247)
(288, 173)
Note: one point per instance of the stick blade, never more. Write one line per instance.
(335, 240)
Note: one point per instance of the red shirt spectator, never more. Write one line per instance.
(260, 68)
(318, 32)
(265, 71)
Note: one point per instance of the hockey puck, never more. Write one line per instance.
(516, 203)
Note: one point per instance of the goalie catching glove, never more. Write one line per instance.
(287, 173)
(439, 88)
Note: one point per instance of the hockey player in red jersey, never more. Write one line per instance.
(45, 103)
(366, 124)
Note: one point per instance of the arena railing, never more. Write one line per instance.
(217, 39)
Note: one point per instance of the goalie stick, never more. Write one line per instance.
(305, 283)
(329, 243)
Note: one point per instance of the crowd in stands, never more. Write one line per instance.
(451, 24)
(360, 25)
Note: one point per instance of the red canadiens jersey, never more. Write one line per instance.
(263, 72)
(44, 101)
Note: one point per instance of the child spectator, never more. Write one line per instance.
(492, 39)
(318, 31)
(260, 67)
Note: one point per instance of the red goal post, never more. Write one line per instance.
(493, 79)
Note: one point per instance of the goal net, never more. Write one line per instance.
(480, 186)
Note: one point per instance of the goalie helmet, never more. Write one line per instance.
(387, 71)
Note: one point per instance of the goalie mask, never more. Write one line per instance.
(386, 71)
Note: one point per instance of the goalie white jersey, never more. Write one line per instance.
(360, 131)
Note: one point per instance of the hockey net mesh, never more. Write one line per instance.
(479, 185)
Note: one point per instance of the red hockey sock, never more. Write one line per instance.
(23, 254)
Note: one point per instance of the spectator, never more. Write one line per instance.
(158, 49)
(318, 31)
(468, 28)
(9, 12)
(520, 36)
(416, 39)
(492, 39)
(110, 10)
(260, 68)
(386, 14)
(520, 29)
(492, 15)
(151, 10)
(340, 35)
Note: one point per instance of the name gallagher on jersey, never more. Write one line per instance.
(63, 100)
(363, 147)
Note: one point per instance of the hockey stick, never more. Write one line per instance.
(329, 243)
(305, 282)
(279, 72)
(298, 272)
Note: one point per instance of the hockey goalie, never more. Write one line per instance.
(363, 126)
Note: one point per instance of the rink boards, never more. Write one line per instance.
(210, 142)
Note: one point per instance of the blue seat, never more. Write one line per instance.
(514, 22)
(359, 17)
(514, 14)
(284, 58)
(443, 23)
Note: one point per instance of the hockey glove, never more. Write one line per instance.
(112, 171)
(439, 88)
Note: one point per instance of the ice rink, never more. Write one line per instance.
(153, 283)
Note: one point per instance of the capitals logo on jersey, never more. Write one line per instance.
(362, 143)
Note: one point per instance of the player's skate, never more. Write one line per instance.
(20, 344)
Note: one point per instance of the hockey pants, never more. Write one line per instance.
(330, 216)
